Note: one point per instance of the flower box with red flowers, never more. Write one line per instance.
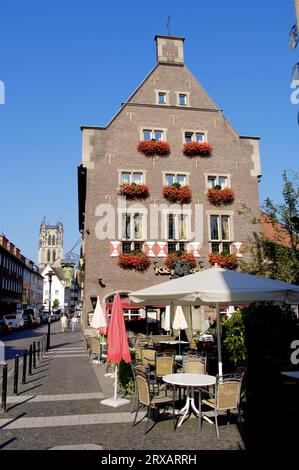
(219, 197)
(134, 261)
(177, 193)
(197, 149)
(151, 148)
(134, 191)
(182, 256)
(224, 260)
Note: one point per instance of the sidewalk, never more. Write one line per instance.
(60, 407)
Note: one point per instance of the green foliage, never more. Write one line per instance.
(234, 338)
(272, 258)
(125, 377)
(56, 303)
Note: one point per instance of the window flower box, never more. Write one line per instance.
(219, 197)
(228, 261)
(182, 256)
(177, 193)
(197, 149)
(134, 191)
(151, 148)
(139, 262)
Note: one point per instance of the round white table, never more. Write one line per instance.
(190, 382)
(174, 342)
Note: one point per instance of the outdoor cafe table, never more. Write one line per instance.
(190, 382)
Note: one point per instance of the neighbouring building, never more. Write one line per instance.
(57, 287)
(166, 178)
(20, 280)
(50, 250)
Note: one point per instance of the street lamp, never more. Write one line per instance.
(49, 274)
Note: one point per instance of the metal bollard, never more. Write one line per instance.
(45, 339)
(24, 367)
(30, 359)
(34, 355)
(16, 375)
(38, 351)
(4, 387)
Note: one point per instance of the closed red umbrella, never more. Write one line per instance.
(118, 347)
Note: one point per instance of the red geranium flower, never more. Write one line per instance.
(139, 262)
(177, 194)
(219, 197)
(152, 148)
(223, 260)
(172, 257)
(134, 191)
(197, 149)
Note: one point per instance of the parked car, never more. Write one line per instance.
(16, 320)
(4, 327)
(31, 318)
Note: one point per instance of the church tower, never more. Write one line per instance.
(50, 249)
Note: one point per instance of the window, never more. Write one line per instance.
(132, 226)
(193, 136)
(162, 97)
(182, 99)
(220, 233)
(177, 226)
(56, 292)
(48, 256)
(171, 178)
(53, 240)
(153, 134)
(127, 177)
(221, 181)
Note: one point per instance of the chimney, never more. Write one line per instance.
(170, 49)
(17, 252)
(10, 247)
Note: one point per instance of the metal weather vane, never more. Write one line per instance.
(168, 24)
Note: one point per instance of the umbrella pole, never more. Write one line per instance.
(179, 342)
(115, 382)
(218, 339)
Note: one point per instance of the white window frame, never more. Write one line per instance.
(217, 176)
(120, 171)
(152, 130)
(134, 209)
(166, 92)
(194, 132)
(218, 214)
(176, 213)
(175, 173)
(187, 94)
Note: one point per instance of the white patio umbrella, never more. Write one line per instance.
(98, 320)
(179, 323)
(165, 323)
(217, 286)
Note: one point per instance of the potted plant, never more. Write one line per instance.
(197, 149)
(224, 260)
(177, 193)
(180, 255)
(151, 148)
(134, 191)
(219, 197)
(137, 261)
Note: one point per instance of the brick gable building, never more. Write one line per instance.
(169, 106)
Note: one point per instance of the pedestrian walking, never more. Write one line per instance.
(74, 323)
(63, 321)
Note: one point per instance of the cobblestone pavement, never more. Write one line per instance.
(60, 407)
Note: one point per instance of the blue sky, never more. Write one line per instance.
(71, 62)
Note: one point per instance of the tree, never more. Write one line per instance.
(55, 304)
(278, 258)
